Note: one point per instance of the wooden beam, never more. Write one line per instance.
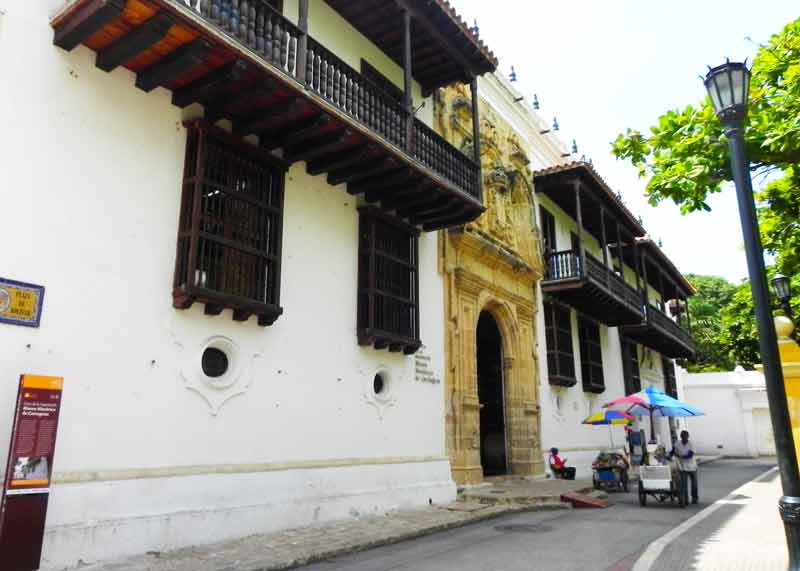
(134, 43)
(210, 85)
(407, 82)
(225, 105)
(426, 23)
(359, 172)
(417, 197)
(271, 117)
(393, 191)
(172, 65)
(442, 205)
(378, 183)
(86, 21)
(330, 145)
(310, 132)
(581, 249)
(344, 159)
(456, 219)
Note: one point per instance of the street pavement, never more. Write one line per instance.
(612, 539)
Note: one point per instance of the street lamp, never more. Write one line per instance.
(728, 86)
(782, 290)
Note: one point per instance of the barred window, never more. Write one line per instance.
(630, 366)
(229, 234)
(591, 356)
(388, 282)
(670, 386)
(558, 337)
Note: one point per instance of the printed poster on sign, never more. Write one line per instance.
(20, 303)
(34, 435)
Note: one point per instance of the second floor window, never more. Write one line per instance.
(591, 356)
(388, 282)
(630, 366)
(558, 337)
(229, 235)
(548, 227)
(670, 386)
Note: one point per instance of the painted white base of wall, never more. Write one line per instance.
(130, 517)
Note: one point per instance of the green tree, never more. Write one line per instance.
(686, 158)
(705, 308)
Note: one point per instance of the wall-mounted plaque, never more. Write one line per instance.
(20, 303)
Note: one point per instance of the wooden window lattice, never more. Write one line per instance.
(388, 282)
(229, 236)
(558, 338)
(591, 356)
(630, 366)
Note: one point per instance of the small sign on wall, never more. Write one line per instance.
(20, 303)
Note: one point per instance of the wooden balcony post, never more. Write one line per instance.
(636, 263)
(661, 287)
(619, 249)
(645, 295)
(408, 100)
(302, 41)
(603, 235)
(688, 317)
(581, 250)
(476, 134)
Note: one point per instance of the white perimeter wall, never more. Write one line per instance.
(90, 186)
(735, 404)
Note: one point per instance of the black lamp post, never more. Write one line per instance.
(728, 86)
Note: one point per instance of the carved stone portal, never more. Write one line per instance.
(491, 264)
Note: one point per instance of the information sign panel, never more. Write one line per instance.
(26, 487)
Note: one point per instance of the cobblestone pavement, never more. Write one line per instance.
(296, 547)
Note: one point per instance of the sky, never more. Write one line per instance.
(601, 66)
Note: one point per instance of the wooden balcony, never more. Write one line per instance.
(595, 290)
(661, 333)
(245, 62)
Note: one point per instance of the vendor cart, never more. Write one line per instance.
(610, 472)
(661, 483)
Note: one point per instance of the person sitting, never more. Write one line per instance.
(559, 467)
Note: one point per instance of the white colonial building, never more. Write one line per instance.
(231, 206)
(612, 307)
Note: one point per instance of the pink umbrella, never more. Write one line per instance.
(652, 402)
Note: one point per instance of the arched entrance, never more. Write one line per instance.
(491, 396)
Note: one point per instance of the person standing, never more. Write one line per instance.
(687, 465)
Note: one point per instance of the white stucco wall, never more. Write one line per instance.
(735, 404)
(90, 183)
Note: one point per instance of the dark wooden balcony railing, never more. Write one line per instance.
(613, 282)
(595, 289)
(563, 265)
(656, 318)
(245, 62)
(268, 32)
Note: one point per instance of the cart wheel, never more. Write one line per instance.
(624, 478)
(642, 495)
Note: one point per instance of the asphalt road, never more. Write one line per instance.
(587, 539)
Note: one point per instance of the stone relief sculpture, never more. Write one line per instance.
(491, 265)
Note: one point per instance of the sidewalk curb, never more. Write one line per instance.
(491, 512)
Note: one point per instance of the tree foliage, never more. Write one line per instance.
(705, 308)
(685, 159)
(686, 155)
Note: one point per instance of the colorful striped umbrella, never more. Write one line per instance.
(608, 417)
(653, 402)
